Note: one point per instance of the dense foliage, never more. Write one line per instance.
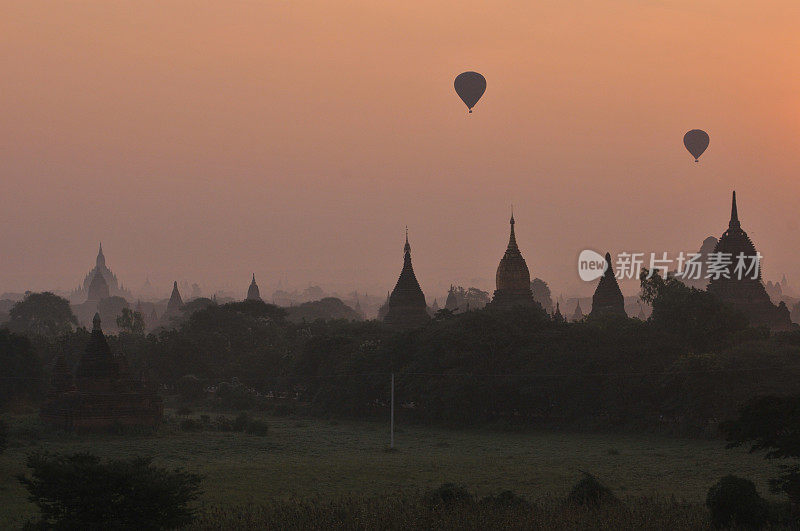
(692, 364)
(771, 424)
(20, 368)
(734, 500)
(80, 492)
(43, 314)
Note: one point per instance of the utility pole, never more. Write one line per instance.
(391, 421)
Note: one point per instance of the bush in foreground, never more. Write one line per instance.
(734, 500)
(80, 492)
(590, 492)
(447, 494)
(405, 512)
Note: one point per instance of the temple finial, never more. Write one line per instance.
(407, 246)
(512, 213)
(734, 223)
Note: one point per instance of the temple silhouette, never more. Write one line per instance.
(101, 395)
(607, 299)
(513, 279)
(406, 306)
(93, 288)
(252, 291)
(746, 294)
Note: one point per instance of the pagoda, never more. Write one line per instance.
(406, 306)
(252, 292)
(577, 315)
(739, 282)
(175, 302)
(101, 396)
(113, 286)
(607, 299)
(513, 278)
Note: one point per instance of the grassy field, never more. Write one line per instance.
(329, 460)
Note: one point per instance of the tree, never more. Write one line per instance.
(701, 320)
(131, 322)
(44, 314)
(541, 294)
(771, 424)
(20, 368)
(79, 492)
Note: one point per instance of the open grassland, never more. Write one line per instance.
(318, 461)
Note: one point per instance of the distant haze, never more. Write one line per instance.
(207, 140)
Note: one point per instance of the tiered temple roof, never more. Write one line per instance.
(113, 286)
(252, 292)
(103, 396)
(747, 294)
(607, 299)
(406, 304)
(513, 278)
(175, 301)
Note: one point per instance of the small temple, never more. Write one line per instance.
(252, 292)
(406, 307)
(513, 278)
(607, 299)
(101, 395)
(747, 294)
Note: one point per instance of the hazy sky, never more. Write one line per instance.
(205, 140)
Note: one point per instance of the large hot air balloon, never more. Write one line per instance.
(696, 141)
(470, 86)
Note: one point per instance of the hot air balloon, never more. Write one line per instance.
(696, 142)
(470, 86)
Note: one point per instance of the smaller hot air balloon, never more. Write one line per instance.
(696, 142)
(470, 86)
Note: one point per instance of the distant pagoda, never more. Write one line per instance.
(98, 289)
(607, 299)
(577, 315)
(113, 287)
(746, 294)
(513, 278)
(175, 302)
(252, 292)
(102, 395)
(406, 304)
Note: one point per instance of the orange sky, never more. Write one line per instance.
(206, 140)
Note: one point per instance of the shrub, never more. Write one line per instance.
(79, 492)
(190, 388)
(447, 494)
(192, 425)
(256, 427)
(590, 492)
(224, 423)
(735, 500)
(506, 499)
(241, 421)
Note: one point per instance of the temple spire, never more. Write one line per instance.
(512, 239)
(101, 259)
(734, 222)
(407, 247)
